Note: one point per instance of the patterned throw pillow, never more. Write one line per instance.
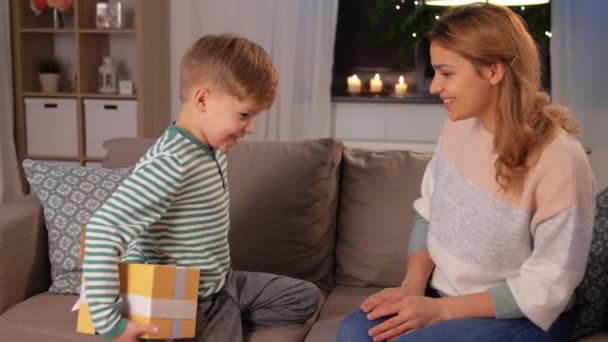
(69, 196)
(592, 294)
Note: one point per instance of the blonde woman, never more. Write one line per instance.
(506, 202)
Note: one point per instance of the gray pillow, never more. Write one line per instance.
(591, 297)
(69, 196)
(377, 192)
(283, 200)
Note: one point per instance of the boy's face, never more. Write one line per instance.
(226, 119)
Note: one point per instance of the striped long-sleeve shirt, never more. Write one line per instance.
(173, 209)
(529, 251)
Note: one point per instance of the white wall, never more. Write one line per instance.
(579, 72)
(382, 126)
(179, 41)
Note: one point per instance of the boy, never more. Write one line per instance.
(174, 207)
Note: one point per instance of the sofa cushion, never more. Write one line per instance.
(376, 215)
(591, 297)
(341, 301)
(599, 337)
(37, 320)
(69, 196)
(283, 202)
(324, 331)
(125, 152)
(45, 317)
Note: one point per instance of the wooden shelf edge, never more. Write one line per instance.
(105, 31)
(41, 94)
(72, 31)
(107, 96)
(48, 30)
(52, 158)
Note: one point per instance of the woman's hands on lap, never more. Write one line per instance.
(409, 309)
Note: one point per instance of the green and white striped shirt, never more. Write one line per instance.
(173, 209)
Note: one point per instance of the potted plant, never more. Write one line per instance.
(48, 72)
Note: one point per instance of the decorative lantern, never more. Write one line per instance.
(107, 76)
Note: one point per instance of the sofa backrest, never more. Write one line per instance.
(376, 215)
(283, 204)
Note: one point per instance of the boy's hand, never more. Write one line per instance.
(134, 330)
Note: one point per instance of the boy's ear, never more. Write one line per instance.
(495, 73)
(200, 99)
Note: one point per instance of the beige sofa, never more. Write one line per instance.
(313, 210)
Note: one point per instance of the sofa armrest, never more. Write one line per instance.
(24, 263)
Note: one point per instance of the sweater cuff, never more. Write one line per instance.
(116, 330)
(504, 302)
(418, 242)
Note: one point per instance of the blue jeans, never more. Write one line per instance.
(355, 326)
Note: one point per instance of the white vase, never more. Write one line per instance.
(49, 83)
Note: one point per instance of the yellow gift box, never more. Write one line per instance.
(165, 296)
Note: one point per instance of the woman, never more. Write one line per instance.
(506, 201)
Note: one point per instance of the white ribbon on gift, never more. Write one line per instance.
(176, 309)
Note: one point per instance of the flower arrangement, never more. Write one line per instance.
(39, 6)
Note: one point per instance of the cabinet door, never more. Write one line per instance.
(51, 126)
(106, 119)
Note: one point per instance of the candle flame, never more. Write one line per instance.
(401, 80)
(377, 77)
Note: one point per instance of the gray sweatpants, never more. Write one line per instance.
(252, 301)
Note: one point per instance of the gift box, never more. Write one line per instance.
(161, 295)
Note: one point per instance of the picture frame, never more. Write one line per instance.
(109, 15)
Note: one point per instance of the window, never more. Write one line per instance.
(388, 37)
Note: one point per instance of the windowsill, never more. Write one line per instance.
(417, 97)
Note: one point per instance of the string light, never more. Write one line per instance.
(496, 2)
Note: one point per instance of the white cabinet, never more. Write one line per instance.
(52, 128)
(106, 119)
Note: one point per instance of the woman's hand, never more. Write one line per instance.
(408, 313)
(388, 295)
(134, 330)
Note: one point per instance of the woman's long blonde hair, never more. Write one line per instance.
(526, 122)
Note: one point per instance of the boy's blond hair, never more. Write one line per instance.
(234, 64)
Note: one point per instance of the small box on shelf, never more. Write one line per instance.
(55, 120)
(105, 119)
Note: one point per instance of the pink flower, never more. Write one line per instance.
(38, 6)
(61, 5)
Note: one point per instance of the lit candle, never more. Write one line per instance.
(354, 84)
(375, 84)
(401, 87)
